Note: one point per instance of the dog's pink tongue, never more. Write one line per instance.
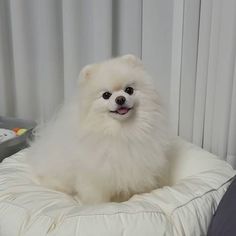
(122, 110)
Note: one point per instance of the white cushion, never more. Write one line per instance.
(186, 208)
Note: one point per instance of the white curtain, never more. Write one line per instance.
(203, 81)
(44, 44)
(220, 94)
(189, 46)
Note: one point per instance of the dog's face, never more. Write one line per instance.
(119, 102)
(116, 89)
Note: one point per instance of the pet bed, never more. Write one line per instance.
(185, 208)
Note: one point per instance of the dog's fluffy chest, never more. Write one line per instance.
(123, 164)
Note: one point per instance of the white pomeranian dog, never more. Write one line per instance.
(109, 141)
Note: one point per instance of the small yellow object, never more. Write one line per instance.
(21, 131)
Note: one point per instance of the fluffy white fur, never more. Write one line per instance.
(99, 155)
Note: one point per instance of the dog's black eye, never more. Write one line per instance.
(129, 90)
(106, 95)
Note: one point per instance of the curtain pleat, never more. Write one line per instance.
(127, 27)
(47, 20)
(7, 99)
(97, 26)
(157, 42)
(87, 36)
(23, 51)
(37, 57)
(202, 71)
(73, 44)
(176, 61)
(212, 74)
(224, 79)
(189, 67)
(231, 152)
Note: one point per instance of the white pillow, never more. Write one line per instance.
(186, 208)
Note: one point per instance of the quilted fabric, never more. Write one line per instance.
(186, 208)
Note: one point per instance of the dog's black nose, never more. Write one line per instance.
(120, 100)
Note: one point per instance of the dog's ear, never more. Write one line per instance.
(87, 72)
(132, 60)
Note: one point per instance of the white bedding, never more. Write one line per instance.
(199, 182)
